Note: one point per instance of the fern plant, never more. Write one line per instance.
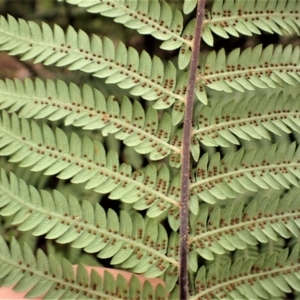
(212, 208)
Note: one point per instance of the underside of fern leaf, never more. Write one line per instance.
(131, 173)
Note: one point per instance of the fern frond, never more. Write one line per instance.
(144, 76)
(222, 123)
(257, 67)
(236, 226)
(246, 170)
(229, 17)
(84, 161)
(147, 17)
(267, 277)
(128, 240)
(41, 275)
(90, 110)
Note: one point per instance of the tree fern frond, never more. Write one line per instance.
(167, 163)
(229, 17)
(220, 124)
(144, 76)
(257, 67)
(128, 240)
(269, 167)
(147, 17)
(90, 110)
(84, 161)
(41, 275)
(267, 277)
(236, 226)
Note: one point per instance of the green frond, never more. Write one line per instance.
(84, 161)
(246, 17)
(267, 277)
(246, 170)
(145, 77)
(147, 17)
(237, 226)
(243, 150)
(257, 67)
(129, 240)
(255, 118)
(44, 276)
(90, 110)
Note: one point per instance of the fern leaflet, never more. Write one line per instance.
(269, 167)
(145, 76)
(222, 123)
(85, 161)
(41, 275)
(147, 17)
(267, 276)
(236, 226)
(129, 240)
(229, 17)
(257, 67)
(90, 110)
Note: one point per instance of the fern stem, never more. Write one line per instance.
(185, 161)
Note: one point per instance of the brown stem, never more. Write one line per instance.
(185, 158)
